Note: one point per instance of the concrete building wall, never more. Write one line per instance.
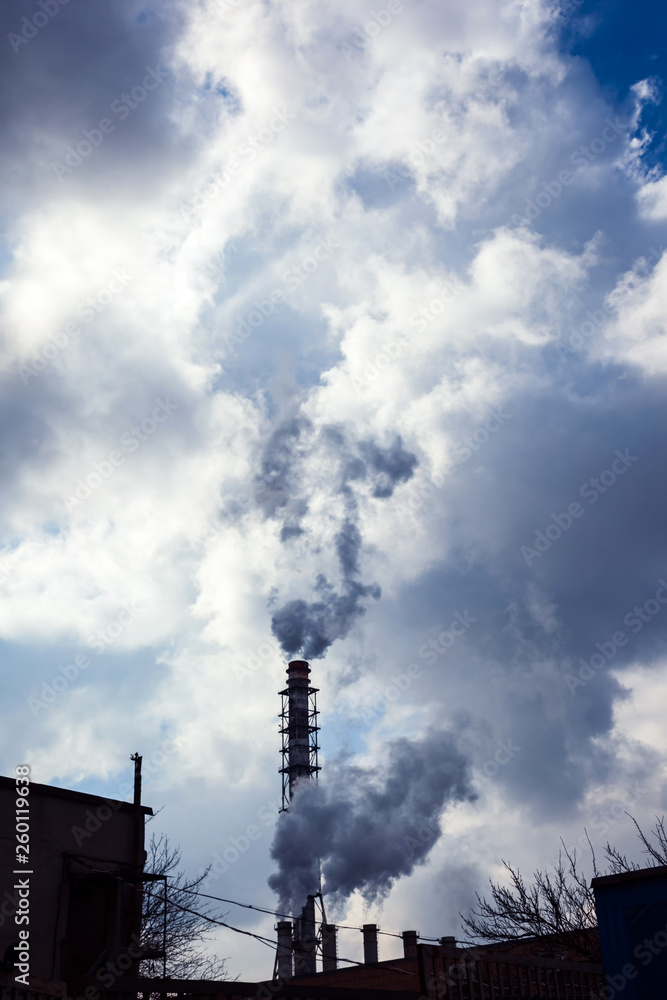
(75, 902)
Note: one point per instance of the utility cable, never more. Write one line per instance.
(289, 916)
(212, 920)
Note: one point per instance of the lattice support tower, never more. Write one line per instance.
(299, 730)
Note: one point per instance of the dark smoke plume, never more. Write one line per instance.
(368, 827)
(276, 484)
(388, 467)
(310, 627)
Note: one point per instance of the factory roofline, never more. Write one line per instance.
(66, 793)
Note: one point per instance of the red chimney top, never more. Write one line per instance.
(298, 668)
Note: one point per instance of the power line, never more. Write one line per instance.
(250, 906)
(212, 920)
(268, 941)
(290, 916)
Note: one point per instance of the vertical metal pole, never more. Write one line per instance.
(164, 932)
(137, 855)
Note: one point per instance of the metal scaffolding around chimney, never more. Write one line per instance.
(298, 729)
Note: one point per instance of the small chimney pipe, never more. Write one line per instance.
(370, 933)
(329, 952)
(305, 944)
(284, 963)
(409, 944)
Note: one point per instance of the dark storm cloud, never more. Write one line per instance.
(65, 78)
(41, 421)
(550, 590)
(310, 627)
(367, 827)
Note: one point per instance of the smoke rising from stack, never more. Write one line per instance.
(308, 628)
(368, 827)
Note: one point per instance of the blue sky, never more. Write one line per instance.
(354, 322)
(624, 43)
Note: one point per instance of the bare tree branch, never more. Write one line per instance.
(558, 905)
(186, 932)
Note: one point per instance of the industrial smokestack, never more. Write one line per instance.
(299, 730)
(370, 932)
(305, 941)
(284, 959)
(329, 952)
(299, 750)
(409, 944)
